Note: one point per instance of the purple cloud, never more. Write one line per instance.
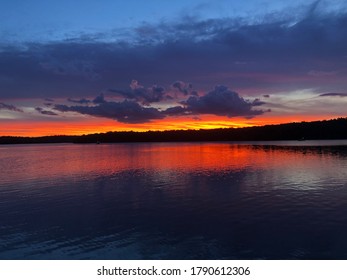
(185, 88)
(99, 99)
(45, 112)
(9, 107)
(125, 111)
(79, 101)
(222, 102)
(334, 94)
(263, 55)
(141, 94)
(175, 111)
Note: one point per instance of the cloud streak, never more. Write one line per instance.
(333, 94)
(4, 106)
(79, 101)
(125, 111)
(45, 112)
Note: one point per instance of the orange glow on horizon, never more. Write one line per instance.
(98, 125)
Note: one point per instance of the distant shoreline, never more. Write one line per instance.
(335, 129)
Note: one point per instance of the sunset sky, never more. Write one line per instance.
(76, 67)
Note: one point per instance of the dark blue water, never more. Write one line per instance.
(174, 201)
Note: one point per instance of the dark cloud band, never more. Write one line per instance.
(208, 52)
(221, 102)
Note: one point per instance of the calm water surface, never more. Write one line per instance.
(283, 200)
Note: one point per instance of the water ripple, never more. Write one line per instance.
(173, 201)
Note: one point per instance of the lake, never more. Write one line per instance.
(255, 200)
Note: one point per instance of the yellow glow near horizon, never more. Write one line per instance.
(98, 125)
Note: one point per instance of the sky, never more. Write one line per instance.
(78, 67)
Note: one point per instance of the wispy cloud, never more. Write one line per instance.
(9, 107)
(334, 94)
(45, 112)
(79, 101)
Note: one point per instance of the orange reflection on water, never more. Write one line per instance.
(46, 162)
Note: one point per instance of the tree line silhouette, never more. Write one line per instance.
(317, 130)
